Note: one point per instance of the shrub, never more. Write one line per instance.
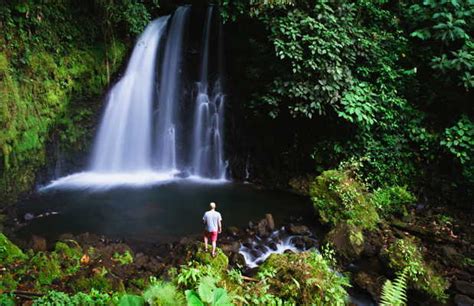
(405, 255)
(7, 299)
(304, 278)
(53, 298)
(208, 294)
(70, 256)
(9, 252)
(338, 197)
(47, 267)
(392, 200)
(164, 294)
(124, 259)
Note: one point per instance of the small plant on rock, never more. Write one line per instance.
(405, 255)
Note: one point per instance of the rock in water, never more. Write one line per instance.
(38, 243)
(270, 222)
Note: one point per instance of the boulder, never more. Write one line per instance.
(464, 287)
(370, 282)
(298, 230)
(270, 222)
(347, 240)
(262, 228)
(233, 231)
(462, 300)
(451, 255)
(38, 244)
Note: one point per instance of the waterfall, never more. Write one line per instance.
(169, 93)
(141, 138)
(123, 142)
(207, 149)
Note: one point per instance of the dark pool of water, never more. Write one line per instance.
(156, 214)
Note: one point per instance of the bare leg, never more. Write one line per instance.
(214, 248)
(205, 243)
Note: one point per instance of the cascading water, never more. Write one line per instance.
(169, 89)
(207, 151)
(140, 139)
(123, 143)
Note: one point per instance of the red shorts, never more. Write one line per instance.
(211, 235)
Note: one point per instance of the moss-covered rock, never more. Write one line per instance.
(219, 263)
(338, 197)
(347, 240)
(305, 279)
(46, 268)
(406, 254)
(70, 255)
(9, 252)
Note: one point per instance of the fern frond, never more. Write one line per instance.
(394, 294)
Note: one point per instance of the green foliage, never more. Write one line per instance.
(305, 278)
(53, 298)
(47, 267)
(392, 200)
(124, 259)
(459, 141)
(338, 197)
(131, 300)
(98, 281)
(394, 294)
(57, 298)
(447, 24)
(70, 257)
(48, 63)
(7, 299)
(9, 252)
(405, 255)
(208, 294)
(163, 294)
(219, 263)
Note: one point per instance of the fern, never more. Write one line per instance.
(394, 294)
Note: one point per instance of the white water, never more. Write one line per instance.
(207, 150)
(166, 134)
(261, 249)
(123, 143)
(140, 140)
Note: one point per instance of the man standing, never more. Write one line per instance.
(213, 221)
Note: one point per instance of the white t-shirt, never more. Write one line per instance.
(211, 219)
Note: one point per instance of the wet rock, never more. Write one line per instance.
(38, 243)
(451, 255)
(298, 230)
(309, 243)
(348, 241)
(262, 228)
(141, 260)
(372, 244)
(370, 282)
(186, 240)
(237, 259)
(462, 300)
(273, 246)
(464, 287)
(299, 243)
(270, 222)
(231, 247)
(463, 275)
(233, 231)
